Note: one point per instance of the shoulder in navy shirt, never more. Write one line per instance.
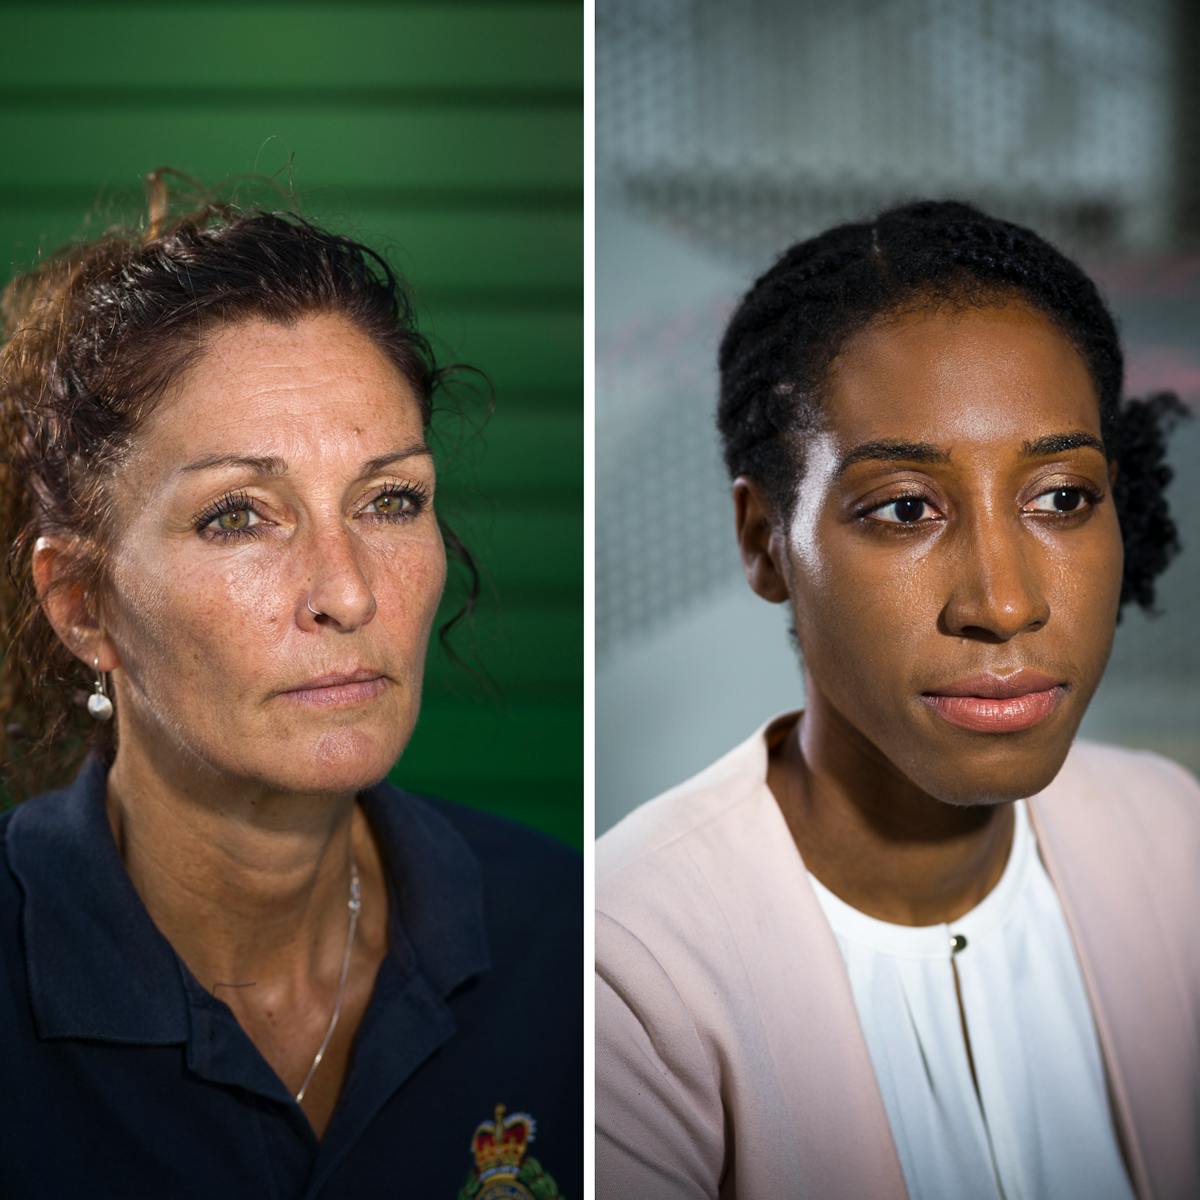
(120, 1075)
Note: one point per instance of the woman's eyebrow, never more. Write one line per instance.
(377, 464)
(927, 452)
(892, 451)
(1060, 443)
(272, 465)
(259, 464)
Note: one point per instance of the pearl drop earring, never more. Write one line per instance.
(99, 705)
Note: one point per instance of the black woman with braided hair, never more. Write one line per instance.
(918, 940)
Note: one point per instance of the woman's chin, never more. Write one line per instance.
(336, 761)
(996, 779)
(967, 767)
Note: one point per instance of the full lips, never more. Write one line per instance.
(984, 714)
(338, 695)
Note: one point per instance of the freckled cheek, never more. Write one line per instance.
(251, 599)
(205, 614)
(231, 616)
(140, 610)
(408, 581)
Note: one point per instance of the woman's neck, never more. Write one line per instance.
(872, 837)
(251, 886)
(248, 884)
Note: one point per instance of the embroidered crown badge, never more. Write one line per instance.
(502, 1170)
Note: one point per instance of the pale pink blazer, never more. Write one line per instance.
(729, 1057)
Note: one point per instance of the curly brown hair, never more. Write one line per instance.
(92, 337)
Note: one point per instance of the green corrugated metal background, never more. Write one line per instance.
(449, 136)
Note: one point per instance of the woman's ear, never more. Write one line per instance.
(761, 545)
(68, 605)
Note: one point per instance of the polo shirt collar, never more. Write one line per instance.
(97, 965)
(436, 887)
(99, 968)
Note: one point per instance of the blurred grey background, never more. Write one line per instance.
(727, 131)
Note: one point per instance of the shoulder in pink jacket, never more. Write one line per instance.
(729, 1057)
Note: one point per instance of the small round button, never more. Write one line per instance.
(958, 942)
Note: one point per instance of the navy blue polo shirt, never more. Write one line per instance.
(121, 1076)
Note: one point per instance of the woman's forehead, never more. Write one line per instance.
(953, 374)
(320, 354)
(318, 387)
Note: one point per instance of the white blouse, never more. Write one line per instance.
(1040, 1127)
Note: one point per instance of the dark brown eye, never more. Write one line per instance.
(905, 510)
(1060, 500)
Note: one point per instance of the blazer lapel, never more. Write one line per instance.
(839, 1138)
(1094, 844)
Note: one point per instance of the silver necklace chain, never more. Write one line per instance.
(355, 906)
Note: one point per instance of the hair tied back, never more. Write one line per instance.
(156, 203)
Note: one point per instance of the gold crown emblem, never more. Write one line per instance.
(499, 1145)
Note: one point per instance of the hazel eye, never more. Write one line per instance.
(1060, 500)
(904, 510)
(236, 520)
(390, 504)
(231, 517)
(398, 504)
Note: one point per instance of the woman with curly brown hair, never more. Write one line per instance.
(916, 940)
(235, 960)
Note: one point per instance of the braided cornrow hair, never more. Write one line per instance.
(779, 344)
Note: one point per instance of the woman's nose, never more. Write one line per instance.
(339, 591)
(998, 588)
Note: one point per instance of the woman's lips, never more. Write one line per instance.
(338, 695)
(990, 703)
